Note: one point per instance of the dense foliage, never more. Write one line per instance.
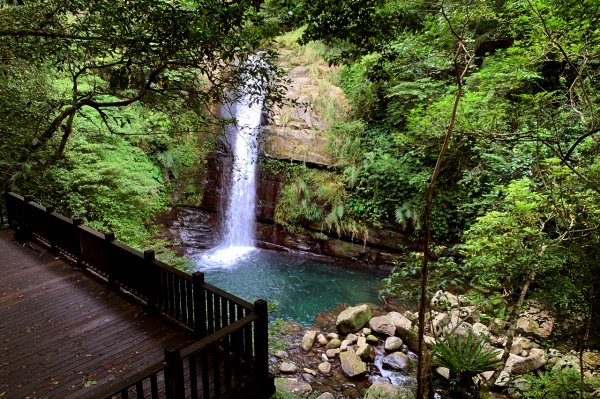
(103, 104)
(518, 187)
(515, 211)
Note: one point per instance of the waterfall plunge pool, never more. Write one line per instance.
(301, 286)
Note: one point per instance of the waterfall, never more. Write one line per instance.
(238, 239)
(239, 217)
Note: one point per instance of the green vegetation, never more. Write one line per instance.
(465, 357)
(558, 384)
(105, 106)
(104, 110)
(514, 88)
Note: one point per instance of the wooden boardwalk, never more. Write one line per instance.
(62, 332)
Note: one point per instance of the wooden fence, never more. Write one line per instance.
(230, 358)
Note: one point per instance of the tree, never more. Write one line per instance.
(117, 53)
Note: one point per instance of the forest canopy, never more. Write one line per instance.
(516, 83)
(131, 85)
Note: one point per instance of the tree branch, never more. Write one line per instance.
(20, 33)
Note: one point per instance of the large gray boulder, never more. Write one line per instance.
(520, 365)
(397, 361)
(443, 300)
(293, 387)
(401, 322)
(352, 365)
(439, 323)
(385, 390)
(288, 368)
(353, 319)
(366, 353)
(393, 344)
(383, 325)
(308, 340)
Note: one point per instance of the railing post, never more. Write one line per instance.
(108, 239)
(199, 305)
(53, 246)
(174, 381)
(261, 339)
(23, 231)
(3, 209)
(77, 238)
(150, 279)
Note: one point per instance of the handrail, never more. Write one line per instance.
(154, 283)
(3, 218)
(123, 385)
(198, 346)
(223, 323)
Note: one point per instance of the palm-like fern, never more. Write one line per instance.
(465, 357)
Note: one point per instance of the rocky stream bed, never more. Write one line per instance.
(364, 351)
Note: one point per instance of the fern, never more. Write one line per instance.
(465, 357)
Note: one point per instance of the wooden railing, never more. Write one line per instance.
(231, 355)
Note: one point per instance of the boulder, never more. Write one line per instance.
(293, 387)
(463, 329)
(308, 340)
(429, 341)
(353, 319)
(331, 353)
(372, 339)
(520, 365)
(497, 326)
(383, 325)
(392, 344)
(401, 322)
(385, 390)
(288, 368)
(322, 340)
(352, 365)
(366, 353)
(470, 314)
(503, 379)
(481, 329)
(309, 371)
(443, 372)
(536, 321)
(397, 361)
(439, 323)
(281, 354)
(366, 331)
(351, 338)
(326, 395)
(591, 360)
(333, 344)
(566, 361)
(520, 344)
(443, 300)
(361, 341)
(412, 316)
(324, 368)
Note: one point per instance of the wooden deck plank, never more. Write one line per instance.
(59, 328)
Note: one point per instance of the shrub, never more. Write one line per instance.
(465, 357)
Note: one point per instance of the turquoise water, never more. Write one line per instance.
(302, 287)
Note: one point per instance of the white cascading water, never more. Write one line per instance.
(238, 237)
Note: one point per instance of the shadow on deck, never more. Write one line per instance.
(99, 329)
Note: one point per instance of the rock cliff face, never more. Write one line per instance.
(296, 133)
